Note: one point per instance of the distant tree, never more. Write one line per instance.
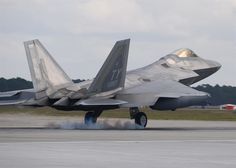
(14, 84)
(19, 84)
(219, 94)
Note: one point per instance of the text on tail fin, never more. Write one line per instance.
(113, 72)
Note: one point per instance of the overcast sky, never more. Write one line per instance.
(79, 34)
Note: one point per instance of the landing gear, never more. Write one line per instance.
(91, 117)
(140, 118)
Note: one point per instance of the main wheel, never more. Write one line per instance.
(89, 118)
(141, 119)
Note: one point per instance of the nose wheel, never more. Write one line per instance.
(139, 117)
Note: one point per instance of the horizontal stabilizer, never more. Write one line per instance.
(11, 103)
(16, 97)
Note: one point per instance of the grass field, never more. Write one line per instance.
(181, 114)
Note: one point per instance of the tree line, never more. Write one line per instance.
(219, 94)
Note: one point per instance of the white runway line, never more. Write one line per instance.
(127, 141)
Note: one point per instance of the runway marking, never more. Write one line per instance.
(115, 141)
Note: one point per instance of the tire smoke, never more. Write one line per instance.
(100, 125)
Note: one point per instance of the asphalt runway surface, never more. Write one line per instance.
(27, 142)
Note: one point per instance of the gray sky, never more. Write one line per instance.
(80, 33)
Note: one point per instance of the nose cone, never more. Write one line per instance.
(210, 68)
(215, 66)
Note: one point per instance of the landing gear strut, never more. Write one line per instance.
(140, 118)
(91, 117)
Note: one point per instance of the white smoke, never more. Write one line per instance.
(100, 125)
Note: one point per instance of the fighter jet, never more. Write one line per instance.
(162, 85)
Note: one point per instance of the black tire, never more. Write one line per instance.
(89, 118)
(141, 119)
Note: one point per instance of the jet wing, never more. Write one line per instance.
(148, 93)
(163, 88)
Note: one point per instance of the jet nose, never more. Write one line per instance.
(214, 65)
(210, 67)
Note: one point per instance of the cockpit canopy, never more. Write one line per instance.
(184, 53)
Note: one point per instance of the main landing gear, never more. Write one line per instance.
(91, 117)
(140, 118)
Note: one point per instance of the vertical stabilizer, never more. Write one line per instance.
(113, 72)
(44, 70)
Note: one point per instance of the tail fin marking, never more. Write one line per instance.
(113, 72)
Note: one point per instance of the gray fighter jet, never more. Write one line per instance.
(162, 85)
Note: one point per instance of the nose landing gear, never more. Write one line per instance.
(140, 118)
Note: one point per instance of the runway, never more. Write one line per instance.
(163, 144)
